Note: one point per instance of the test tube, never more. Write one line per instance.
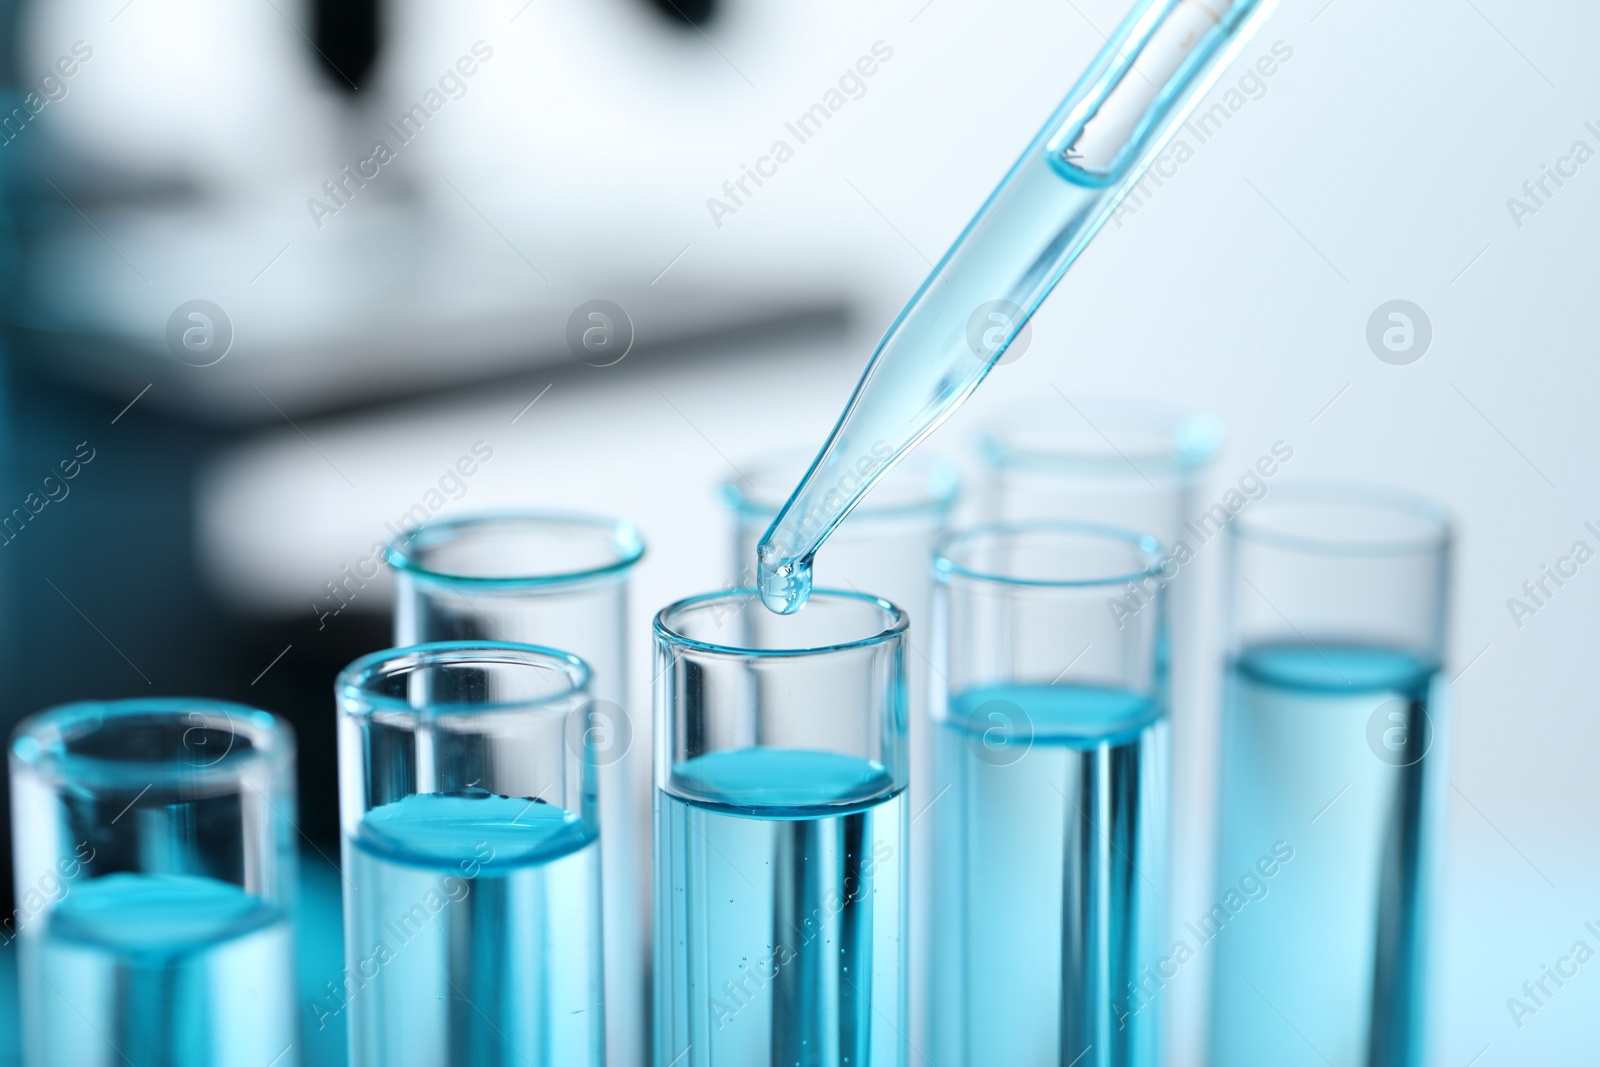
(884, 547)
(155, 866)
(1332, 771)
(558, 580)
(1137, 463)
(471, 857)
(781, 833)
(1052, 797)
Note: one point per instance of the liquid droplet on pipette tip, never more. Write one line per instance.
(786, 587)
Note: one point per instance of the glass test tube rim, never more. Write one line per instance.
(894, 628)
(1434, 536)
(940, 477)
(358, 701)
(404, 553)
(945, 568)
(1191, 438)
(38, 744)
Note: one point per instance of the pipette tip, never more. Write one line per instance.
(786, 587)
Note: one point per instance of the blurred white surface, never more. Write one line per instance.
(533, 157)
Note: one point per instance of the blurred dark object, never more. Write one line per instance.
(347, 35)
(689, 12)
(101, 593)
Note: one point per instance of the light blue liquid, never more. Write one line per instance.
(1325, 967)
(1049, 877)
(472, 935)
(159, 971)
(780, 912)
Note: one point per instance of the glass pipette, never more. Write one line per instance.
(1096, 146)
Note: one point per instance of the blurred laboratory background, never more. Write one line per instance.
(278, 274)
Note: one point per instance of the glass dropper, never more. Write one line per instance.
(1139, 89)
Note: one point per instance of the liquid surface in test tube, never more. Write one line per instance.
(779, 918)
(1303, 727)
(176, 970)
(1051, 842)
(461, 933)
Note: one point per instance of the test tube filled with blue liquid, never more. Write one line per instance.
(154, 849)
(1332, 765)
(781, 833)
(558, 579)
(1135, 462)
(471, 858)
(1051, 798)
(884, 545)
